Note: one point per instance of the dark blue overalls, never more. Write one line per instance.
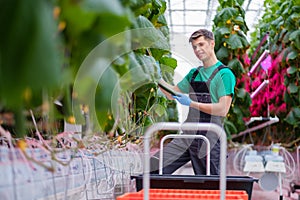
(179, 151)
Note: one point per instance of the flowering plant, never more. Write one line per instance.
(281, 97)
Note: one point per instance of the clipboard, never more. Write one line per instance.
(169, 90)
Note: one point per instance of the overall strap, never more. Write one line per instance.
(214, 73)
(196, 72)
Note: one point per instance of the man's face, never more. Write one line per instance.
(203, 49)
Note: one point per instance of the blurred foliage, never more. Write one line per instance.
(281, 21)
(46, 43)
(30, 58)
(231, 47)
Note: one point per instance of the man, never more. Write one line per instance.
(210, 88)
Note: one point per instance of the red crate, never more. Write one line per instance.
(178, 194)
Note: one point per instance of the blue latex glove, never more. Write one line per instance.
(183, 99)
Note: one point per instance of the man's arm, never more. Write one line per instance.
(220, 109)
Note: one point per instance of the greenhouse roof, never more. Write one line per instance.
(185, 16)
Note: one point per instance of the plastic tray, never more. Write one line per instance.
(197, 182)
(180, 194)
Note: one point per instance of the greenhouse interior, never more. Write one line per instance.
(150, 99)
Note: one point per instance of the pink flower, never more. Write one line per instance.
(266, 63)
(246, 59)
(282, 108)
(278, 100)
(272, 108)
(256, 83)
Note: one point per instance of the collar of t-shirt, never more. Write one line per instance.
(207, 71)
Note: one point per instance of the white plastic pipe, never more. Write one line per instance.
(186, 137)
(261, 118)
(272, 120)
(262, 86)
(260, 59)
(185, 127)
(280, 186)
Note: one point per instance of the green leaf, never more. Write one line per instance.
(224, 15)
(239, 20)
(108, 84)
(292, 88)
(236, 66)
(222, 53)
(143, 22)
(147, 63)
(157, 13)
(241, 93)
(147, 35)
(296, 110)
(240, 10)
(245, 42)
(165, 31)
(277, 21)
(240, 2)
(230, 127)
(141, 7)
(292, 55)
(120, 65)
(99, 16)
(77, 19)
(168, 61)
(228, 13)
(293, 116)
(282, 34)
(284, 54)
(236, 110)
(283, 6)
(30, 58)
(158, 3)
(136, 75)
(106, 24)
(235, 42)
(223, 30)
(285, 12)
(158, 53)
(294, 35)
(280, 25)
(162, 20)
(145, 96)
(291, 70)
(296, 9)
(159, 110)
(112, 7)
(286, 38)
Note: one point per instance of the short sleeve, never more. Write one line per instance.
(228, 83)
(184, 84)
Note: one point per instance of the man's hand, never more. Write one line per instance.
(183, 99)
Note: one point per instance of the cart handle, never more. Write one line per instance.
(185, 136)
(184, 127)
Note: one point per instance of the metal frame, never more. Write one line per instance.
(185, 127)
(209, 10)
(185, 137)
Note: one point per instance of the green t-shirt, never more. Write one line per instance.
(221, 85)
